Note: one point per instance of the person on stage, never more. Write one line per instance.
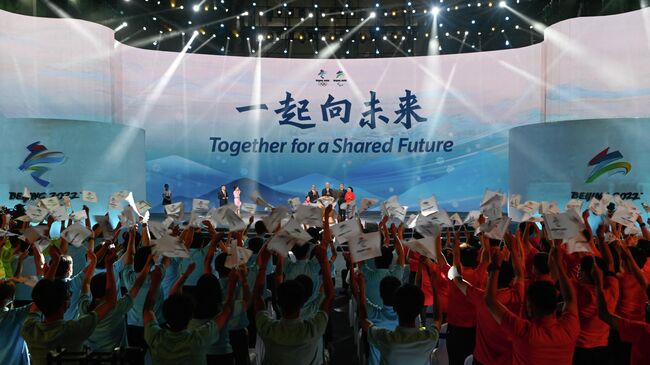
(328, 191)
(237, 197)
(223, 196)
(340, 198)
(166, 195)
(312, 195)
(349, 197)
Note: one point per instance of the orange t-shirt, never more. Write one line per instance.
(542, 341)
(593, 331)
(638, 334)
(460, 311)
(631, 298)
(493, 341)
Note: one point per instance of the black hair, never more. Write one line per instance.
(469, 256)
(208, 296)
(314, 233)
(301, 252)
(386, 258)
(138, 237)
(387, 288)
(255, 244)
(198, 240)
(220, 265)
(408, 302)
(140, 258)
(644, 245)
(543, 297)
(639, 256)
(290, 296)
(307, 284)
(177, 310)
(506, 274)
(98, 285)
(352, 190)
(587, 262)
(7, 290)
(65, 263)
(260, 228)
(540, 263)
(50, 296)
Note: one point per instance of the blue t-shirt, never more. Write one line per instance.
(13, 349)
(24, 292)
(134, 316)
(308, 267)
(171, 275)
(197, 256)
(74, 285)
(111, 330)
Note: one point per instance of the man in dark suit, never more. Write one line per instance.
(222, 196)
(340, 197)
(328, 191)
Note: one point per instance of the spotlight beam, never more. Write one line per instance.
(330, 49)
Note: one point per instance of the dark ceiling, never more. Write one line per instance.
(333, 28)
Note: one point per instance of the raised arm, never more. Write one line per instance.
(89, 271)
(644, 228)
(513, 244)
(326, 304)
(630, 265)
(141, 277)
(401, 261)
(559, 271)
(146, 239)
(222, 318)
(178, 285)
(361, 301)
(55, 256)
(494, 306)
(437, 308)
(262, 262)
(128, 256)
(111, 289)
(148, 314)
(246, 291)
(603, 313)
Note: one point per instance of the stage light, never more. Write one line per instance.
(332, 37)
(322, 38)
(507, 18)
(195, 8)
(195, 33)
(384, 38)
(435, 11)
(507, 43)
(502, 4)
(260, 38)
(311, 15)
(377, 29)
(261, 13)
(373, 15)
(244, 13)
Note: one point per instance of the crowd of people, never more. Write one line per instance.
(521, 300)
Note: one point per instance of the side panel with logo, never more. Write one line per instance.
(62, 158)
(580, 159)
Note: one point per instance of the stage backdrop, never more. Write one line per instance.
(52, 157)
(408, 126)
(580, 160)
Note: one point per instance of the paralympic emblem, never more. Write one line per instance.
(607, 162)
(39, 156)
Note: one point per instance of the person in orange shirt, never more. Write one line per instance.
(493, 342)
(545, 339)
(461, 313)
(635, 332)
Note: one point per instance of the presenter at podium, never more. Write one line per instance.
(312, 195)
(328, 191)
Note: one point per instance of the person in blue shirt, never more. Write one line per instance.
(407, 343)
(110, 332)
(13, 349)
(381, 314)
(134, 262)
